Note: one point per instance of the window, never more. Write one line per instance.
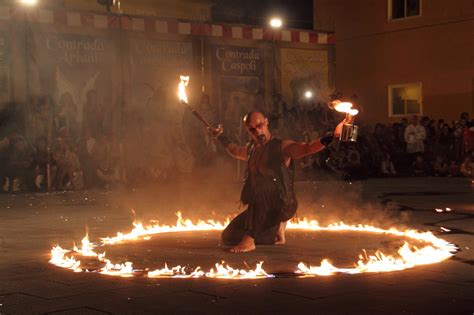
(400, 9)
(405, 99)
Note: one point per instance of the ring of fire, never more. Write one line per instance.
(409, 256)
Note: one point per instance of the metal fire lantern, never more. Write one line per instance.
(349, 130)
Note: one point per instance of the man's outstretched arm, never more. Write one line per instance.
(297, 150)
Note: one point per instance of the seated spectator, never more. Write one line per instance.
(41, 159)
(420, 167)
(440, 167)
(18, 165)
(466, 168)
(453, 169)
(69, 175)
(108, 174)
(386, 167)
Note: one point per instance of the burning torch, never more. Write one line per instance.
(184, 82)
(349, 129)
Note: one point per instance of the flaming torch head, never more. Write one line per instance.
(346, 107)
(184, 81)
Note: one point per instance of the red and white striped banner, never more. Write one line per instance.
(154, 25)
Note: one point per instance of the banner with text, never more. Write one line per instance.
(80, 77)
(239, 81)
(155, 67)
(304, 70)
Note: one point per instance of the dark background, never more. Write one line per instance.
(295, 14)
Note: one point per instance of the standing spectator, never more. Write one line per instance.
(86, 146)
(458, 133)
(465, 119)
(445, 142)
(415, 134)
(431, 137)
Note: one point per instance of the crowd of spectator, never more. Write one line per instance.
(44, 148)
(47, 149)
(414, 146)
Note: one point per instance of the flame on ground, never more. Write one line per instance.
(408, 256)
(182, 225)
(221, 271)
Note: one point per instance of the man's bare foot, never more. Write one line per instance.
(247, 244)
(280, 237)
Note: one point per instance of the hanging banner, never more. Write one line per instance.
(304, 70)
(239, 78)
(80, 74)
(155, 69)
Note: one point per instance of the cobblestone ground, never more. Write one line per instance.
(30, 224)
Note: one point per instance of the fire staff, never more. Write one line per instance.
(268, 191)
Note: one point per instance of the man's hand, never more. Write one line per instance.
(216, 132)
(338, 130)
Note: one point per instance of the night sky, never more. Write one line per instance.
(296, 14)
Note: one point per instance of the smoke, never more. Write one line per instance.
(352, 202)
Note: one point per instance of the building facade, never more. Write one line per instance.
(403, 57)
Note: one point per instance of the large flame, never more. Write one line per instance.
(183, 83)
(409, 256)
(345, 107)
(182, 225)
(221, 271)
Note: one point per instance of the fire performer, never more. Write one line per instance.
(268, 191)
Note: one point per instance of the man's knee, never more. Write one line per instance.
(226, 237)
(231, 235)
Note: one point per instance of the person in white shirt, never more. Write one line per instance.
(415, 134)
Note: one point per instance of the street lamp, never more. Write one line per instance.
(276, 22)
(29, 2)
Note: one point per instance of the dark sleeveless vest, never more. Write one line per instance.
(278, 174)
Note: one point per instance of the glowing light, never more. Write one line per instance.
(184, 81)
(308, 94)
(29, 2)
(276, 22)
(409, 256)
